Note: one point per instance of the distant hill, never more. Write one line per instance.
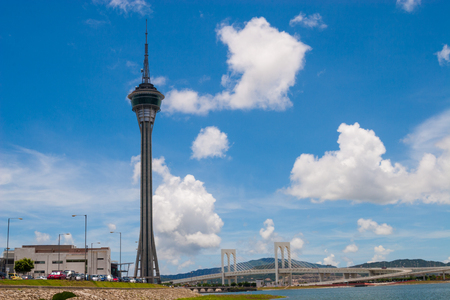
(399, 263)
(263, 263)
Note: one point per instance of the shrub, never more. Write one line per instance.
(63, 296)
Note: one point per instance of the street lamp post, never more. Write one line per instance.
(7, 242)
(59, 247)
(92, 258)
(85, 241)
(120, 253)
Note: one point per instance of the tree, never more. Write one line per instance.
(24, 265)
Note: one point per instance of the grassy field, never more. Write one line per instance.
(234, 297)
(62, 283)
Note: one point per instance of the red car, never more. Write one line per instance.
(115, 279)
(56, 275)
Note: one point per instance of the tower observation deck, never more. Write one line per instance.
(146, 102)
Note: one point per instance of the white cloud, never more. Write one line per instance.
(136, 163)
(112, 227)
(41, 238)
(380, 253)
(352, 248)
(296, 246)
(267, 232)
(348, 261)
(330, 260)
(297, 243)
(186, 222)
(159, 81)
(204, 79)
(425, 136)
(210, 142)
(126, 6)
(310, 21)
(268, 236)
(131, 64)
(447, 260)
(262, 62)
(38, 181)
(68, 239)
(369, 225)
(443, 55)
(95, 23)
(357, 172)
(408, 5)
(185, 264)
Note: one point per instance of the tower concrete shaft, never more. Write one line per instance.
(146, 102)
(146, 259)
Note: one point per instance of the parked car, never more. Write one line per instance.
(56, 275)
(80, 276)
(115, 279)
(27, 277)
(132, 280)
(95, 278)
(42, 277)
(102, 277)
(2, 275)
(125, 279)
(14, 276)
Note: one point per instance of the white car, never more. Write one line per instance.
(95, 278)
(133, 280)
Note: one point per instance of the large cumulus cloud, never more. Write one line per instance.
(358, 172)
(262, 64)
(184, 217)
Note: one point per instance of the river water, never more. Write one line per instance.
(389, 292)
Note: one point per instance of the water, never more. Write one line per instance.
(391, 292)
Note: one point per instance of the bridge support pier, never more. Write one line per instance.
(443, 275)
(346, 275)
(321, 277)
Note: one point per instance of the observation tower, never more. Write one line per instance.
(146, 102)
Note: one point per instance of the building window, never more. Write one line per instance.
(57, 262)
(99, 268)
(39, 262)
(100, 258)
(36, 272)
(74, 260)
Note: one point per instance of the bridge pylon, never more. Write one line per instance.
(282, 246)
(228, 253)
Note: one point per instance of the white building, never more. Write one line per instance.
(49, 258)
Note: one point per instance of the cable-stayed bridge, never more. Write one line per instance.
(286, 266)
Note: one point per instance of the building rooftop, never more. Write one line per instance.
(62, 248)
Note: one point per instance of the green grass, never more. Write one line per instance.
(62, 283)
(234, 297)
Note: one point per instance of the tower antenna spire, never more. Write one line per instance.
(146, 71)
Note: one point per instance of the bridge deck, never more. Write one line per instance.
(385, 273)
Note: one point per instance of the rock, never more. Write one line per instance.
(97, 294)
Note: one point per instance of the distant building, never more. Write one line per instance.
(46, 260)
(9, 262)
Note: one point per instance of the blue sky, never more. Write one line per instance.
(321, 123)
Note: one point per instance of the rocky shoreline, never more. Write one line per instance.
(97, 294)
